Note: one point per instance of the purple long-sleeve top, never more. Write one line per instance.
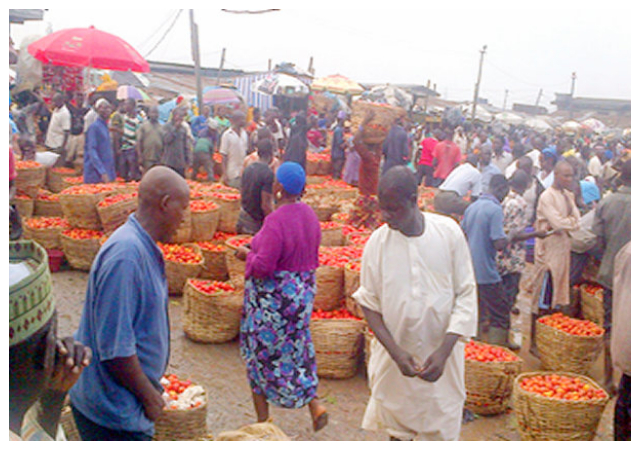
(288, 240)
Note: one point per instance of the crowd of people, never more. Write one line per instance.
(429, 282)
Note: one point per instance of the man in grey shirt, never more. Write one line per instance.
(176, 147)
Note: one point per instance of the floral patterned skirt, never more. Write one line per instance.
(275, 340)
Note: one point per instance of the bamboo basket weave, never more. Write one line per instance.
(49, 238)
(55, 178)
(351, 281)
(235, 266)
(48, 208)
(182, 425)
(489, 384)
(80, 252)
(324, 212)
(566, 352)
(229, 213)
(80, 209)
(332, 237)
(211, 318)
(261, 431)
(337, 343)
(592, 306)
(353, 307)
(183, 233)
(204, 224)
(178, 273)
(114, 215)
(540, 418)
(30, 180)
(330, 287)
(68, 424)
(215, 265)
(385, 116)
(25, 206)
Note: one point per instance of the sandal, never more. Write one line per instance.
(320, 420)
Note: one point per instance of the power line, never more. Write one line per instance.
(166, 33)
(164, 22)
(260, 11)
(523, 81)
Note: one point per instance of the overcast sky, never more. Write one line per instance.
(527, 49)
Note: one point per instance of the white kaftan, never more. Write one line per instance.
(424, 287)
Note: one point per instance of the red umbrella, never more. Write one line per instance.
(88, 47)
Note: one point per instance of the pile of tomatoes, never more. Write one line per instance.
(330, 225)
(113, 199)
(319, 157)
(240, 241)
(47, 222)
(210, 286)
(211, 246)
(348, 229)
(27, 164)
(593, 289)
(47, 196)
(84, 189)
(359, 239)
(74, 180)
(341, 313)
(330, 184)
(354, 265)
(202, 205)
(339, 256)
(478, 351)
(228, 196)
(81, 233)
(562, 387)
(569, 325)
(63, 170)
(179, 253)
(341, 217)
(174, 386)
(22, 196)
(221, 236)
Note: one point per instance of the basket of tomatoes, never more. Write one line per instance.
(55, 176)
(215, 260)
(81, 246)
(205, 217)
(236, 266)
(46, 231)
(183, 234)
(329, 279)
(229, 203)
(568, 344)
(351, 285)
(24, 204)
(47, 204)
(337, 340)
(384, 117)
(181, 262)
(212, 311)
(115, 209)
(331, 234)
(489, 371)
(31, 177)
(592, 303)
(184, 417)
(560, 406)
(79, 204)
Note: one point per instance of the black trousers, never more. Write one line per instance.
(424, 172)
(622, 419)
(511, 285)
(91, 431)
(493, 304)
(336, 167)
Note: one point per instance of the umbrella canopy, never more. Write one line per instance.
(537, 124)
(571, 126)
(281, 84)
(127, 91)
(88, 47)
(390, 95)
(338, 84)
(594, 125)
(214, 95)
(509, 118)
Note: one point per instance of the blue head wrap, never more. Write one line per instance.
(590, 191)
(292, 177)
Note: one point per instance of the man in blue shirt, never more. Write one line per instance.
(396, 147)
(483, 223)
(487, 168)
(99, 163)
(125, 318)
(338, 147)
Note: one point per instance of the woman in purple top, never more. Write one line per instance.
(275, 340)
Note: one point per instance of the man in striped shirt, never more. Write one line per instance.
(130, 164)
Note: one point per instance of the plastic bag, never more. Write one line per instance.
(47, 159)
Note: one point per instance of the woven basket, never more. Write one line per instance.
(25, 206)
(368, 338)
(229, 213)
(183, 233)
(68, 424)
(30, 180)
(566, 352)
(332, 237)
(337, 343)
(55, 180)
(215, 265)
(540, 418)
(204, 224)
(235, 266)
(489, 384)
(592, 306)
(80, 252)
(115, 214)
(385, 116)
(351, 281)
(182, 425)
(324, 212)
(353, 307)
(211, 318)
(47, 208)
(330, 287)
(81, 211)
(178, 273)
(261, 431)
(49, 238)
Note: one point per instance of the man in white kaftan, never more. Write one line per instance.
(424, 289)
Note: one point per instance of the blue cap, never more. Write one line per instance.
(292, 177)
(590, 191)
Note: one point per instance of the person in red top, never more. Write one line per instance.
(447, 156)
(424, 168)
(317, 141)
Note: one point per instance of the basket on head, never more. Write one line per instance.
(182, 424)
(337, 343)
(489, 384)
(80, 252)
(330, 287)
(541, 418)
(592, 304)
(566, 352)
(211, 318)
(384, 118)
(235, 266)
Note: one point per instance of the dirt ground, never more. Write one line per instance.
(220, 370)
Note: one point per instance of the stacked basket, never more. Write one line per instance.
(235, 266)
(205, 217)
(592, 303)
(45, 231)
(215, 261)
(384, 117)
(79, 204)
(24, 204)
(80, 247)
(115, 209)
(31, 177)
(181, 263)
(337, 344)
(351, 285)
(47, 204)
(229, 210)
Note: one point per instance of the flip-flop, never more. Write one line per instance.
(321, 420)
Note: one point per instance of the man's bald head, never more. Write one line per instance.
(398, 182)
(563, 175)
(519, 181)
(158, 182)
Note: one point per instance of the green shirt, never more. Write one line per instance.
(203, 145)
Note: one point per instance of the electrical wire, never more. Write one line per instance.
(161, 26)
(166, 33)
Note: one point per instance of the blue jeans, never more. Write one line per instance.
(91, 431)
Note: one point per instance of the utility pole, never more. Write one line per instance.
(195, 53)
(269, 67)
(224, 50)
(506, 94)
(426, 103)
(311, 69)
(573, 83)
(477, 90)
(539, 97)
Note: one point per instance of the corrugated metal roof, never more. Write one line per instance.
(22, 15)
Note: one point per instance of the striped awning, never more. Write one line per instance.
(244, 84)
